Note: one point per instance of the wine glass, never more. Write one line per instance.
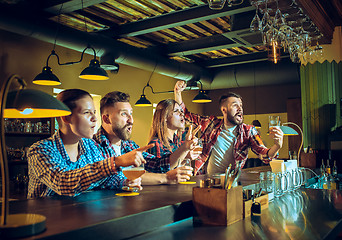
(132, 173)
(256, 23)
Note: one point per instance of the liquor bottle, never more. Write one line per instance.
(322, 168)
(335, 176)
(333, 183)
(334, 169)
(328, 169)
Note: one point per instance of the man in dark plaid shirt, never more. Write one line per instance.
(227, 141)
(113, 139)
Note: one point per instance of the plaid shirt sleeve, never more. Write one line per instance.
(49, 174)
(160, 163)
(258, 146)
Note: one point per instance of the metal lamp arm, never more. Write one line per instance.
(3, 160)
(53, 53)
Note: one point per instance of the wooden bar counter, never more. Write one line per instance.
(165, 212)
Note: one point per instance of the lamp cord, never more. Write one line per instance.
(58, 26)
(53, 53)
(149, 79)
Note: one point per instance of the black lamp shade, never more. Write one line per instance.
(47, 78)
(256, 124)
(94, 72)
(143, 102)
(201, 97)
(30, 103)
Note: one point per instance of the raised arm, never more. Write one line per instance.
(178, 89)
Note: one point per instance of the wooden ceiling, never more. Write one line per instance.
(183, 30)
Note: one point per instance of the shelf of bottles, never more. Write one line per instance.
(24, 126)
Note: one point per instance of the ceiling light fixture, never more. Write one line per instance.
(15, 104)
(202, 96)
(144, 102)
(46, 77)
(93, 72)
(256, 123)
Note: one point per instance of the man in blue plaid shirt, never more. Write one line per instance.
(69, 162)
(113, 138)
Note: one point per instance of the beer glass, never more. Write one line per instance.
(280, 183)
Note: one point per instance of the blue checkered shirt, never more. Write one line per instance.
(51, 172)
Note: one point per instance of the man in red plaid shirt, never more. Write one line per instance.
(227, 141)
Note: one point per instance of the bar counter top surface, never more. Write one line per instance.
(165, 212)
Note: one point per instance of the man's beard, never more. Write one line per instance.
(233, 120)
(121, 132)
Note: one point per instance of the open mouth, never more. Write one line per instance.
(239, 116)
(129, 128)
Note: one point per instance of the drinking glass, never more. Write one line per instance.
(280, 184)
(293, 155)
(262, 181)
(297, 179)
(273, 121)
(256, 23)
(185, 162)
(269, 181)
(216, 4)
(290, 181)
(131, 174)
(302, 175)
(199, 146)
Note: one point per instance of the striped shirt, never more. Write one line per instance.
(52, 172)
(211, 127)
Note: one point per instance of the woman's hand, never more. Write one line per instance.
(180, 174)
(193, 154)
(190, 139)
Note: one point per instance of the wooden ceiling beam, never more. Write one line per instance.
(239, 59)
(175, 19)
(71, 6)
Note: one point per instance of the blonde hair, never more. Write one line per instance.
(159, 122)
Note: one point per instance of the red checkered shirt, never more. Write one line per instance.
(211, 127)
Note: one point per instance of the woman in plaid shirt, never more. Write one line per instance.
(168, 122)
(69, 162)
